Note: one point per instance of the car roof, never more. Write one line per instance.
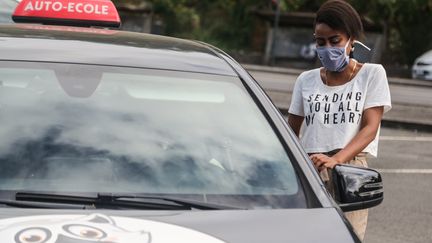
(62, 44)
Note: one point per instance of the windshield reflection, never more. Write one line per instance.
(153, 132)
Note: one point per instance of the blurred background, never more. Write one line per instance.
(279, 32)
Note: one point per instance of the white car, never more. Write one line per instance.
(422, 68)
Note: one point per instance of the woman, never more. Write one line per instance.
(341, 104)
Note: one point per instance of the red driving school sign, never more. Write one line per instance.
(71, 12)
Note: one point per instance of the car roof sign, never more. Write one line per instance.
(68, 12)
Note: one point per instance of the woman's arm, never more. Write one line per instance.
(370, 122)
(295, 122)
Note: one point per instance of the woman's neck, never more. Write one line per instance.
(340, 78)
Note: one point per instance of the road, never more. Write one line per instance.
(405, 161)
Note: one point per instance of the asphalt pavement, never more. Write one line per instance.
(405, 163)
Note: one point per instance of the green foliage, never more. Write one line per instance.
(408, 24)
(225, 23)
(229, 24)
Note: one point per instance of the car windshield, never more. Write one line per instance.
(88, 128)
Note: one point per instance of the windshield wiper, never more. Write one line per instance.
(24, 204)
(116, 201)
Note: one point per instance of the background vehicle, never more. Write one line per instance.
(422, 68)
(117, 135)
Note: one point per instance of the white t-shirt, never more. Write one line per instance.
(332, 114)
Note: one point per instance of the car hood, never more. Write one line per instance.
(234, 226)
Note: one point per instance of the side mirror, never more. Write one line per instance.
(357, 188)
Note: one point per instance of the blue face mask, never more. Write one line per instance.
(334, 59)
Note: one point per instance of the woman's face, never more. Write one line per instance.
(328, 37)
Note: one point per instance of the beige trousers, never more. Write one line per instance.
(358, 218)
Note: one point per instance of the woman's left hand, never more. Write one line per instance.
(322, 161)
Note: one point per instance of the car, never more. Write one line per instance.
(113, 136)
(6, 9)
(422, 68)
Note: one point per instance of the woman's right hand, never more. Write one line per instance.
(322, 161)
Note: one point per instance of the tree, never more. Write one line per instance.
(408, 25)
(229, 23)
